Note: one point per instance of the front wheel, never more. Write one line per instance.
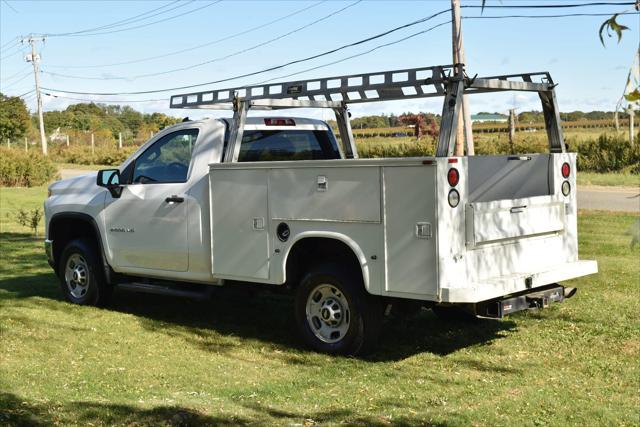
(81, 277)
(335, 314)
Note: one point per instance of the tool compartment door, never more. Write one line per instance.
(410, 221)
(503, 220)
(239, 223)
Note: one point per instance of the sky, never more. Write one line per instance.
(589, 76)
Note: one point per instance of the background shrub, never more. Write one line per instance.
(21, 169)
(81, 155)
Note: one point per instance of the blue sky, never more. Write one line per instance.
(590, 76)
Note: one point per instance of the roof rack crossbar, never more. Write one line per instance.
(336, 93)
(356, 88)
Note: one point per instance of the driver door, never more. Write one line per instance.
(146, 227)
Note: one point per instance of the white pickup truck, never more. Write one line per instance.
(277, 201)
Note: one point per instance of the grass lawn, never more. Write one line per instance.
(609, 179)
(150, 360)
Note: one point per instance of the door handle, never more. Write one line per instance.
(174, 199)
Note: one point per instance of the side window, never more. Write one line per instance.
(276, 145)
(167, 160)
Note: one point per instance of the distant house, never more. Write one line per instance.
(57, 136)
(486, 117)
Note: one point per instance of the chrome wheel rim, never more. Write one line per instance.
(328, 313)
(76, 276)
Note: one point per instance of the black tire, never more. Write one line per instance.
(83, 282)
(361, 316)
(453, 313)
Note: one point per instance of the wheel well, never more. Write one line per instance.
(65, 228)
(312, 251)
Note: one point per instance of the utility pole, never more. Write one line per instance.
(464, 131)
(34, 58)
(120, 140)
(512, 128)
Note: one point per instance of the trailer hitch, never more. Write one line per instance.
(534, 299)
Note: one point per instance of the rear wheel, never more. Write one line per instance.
(335, 314)
(81, 277)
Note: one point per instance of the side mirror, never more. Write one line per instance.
(110, 179)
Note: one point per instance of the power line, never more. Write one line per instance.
(221, 58)
(26, 93)
(17, 81)
(103, 101)
(318, 55)
(550, 6)
(149, 23)
(14, 75)
(410, 36)
(9, 45)
(414, 35)
(277, 67)
(249, 30)
(10, 7)
(121, 22)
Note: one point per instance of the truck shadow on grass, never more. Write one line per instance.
(17, 411)
(235, 316)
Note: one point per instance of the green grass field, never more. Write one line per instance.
(150, 360)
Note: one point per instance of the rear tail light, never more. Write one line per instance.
(279, 122)
(566, 170)
(453, 177)
(566, 188)
(453, 198)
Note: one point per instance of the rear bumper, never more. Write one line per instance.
(498, 287)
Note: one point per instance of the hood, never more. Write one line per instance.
(77, 184)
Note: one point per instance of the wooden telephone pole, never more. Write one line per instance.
(464, 135)
(34, 58)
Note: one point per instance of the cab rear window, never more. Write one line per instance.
(280, 145)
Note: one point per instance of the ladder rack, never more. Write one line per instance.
(448, 81)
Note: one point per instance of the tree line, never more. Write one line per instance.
(110, 121)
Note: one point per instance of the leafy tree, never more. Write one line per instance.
(422, 124)
(14, 117)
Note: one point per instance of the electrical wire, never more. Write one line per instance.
(416, 34)
(122, 22)
(103, 101)
(9, 46)
(16, 82)
(221, 58)
(211, 43)
(149, 23)
(317, 55)
(26, 93)
(16, 74)
(410, 36)
(273, 68)
(549, 6)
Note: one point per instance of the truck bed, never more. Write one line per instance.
(512, 230)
